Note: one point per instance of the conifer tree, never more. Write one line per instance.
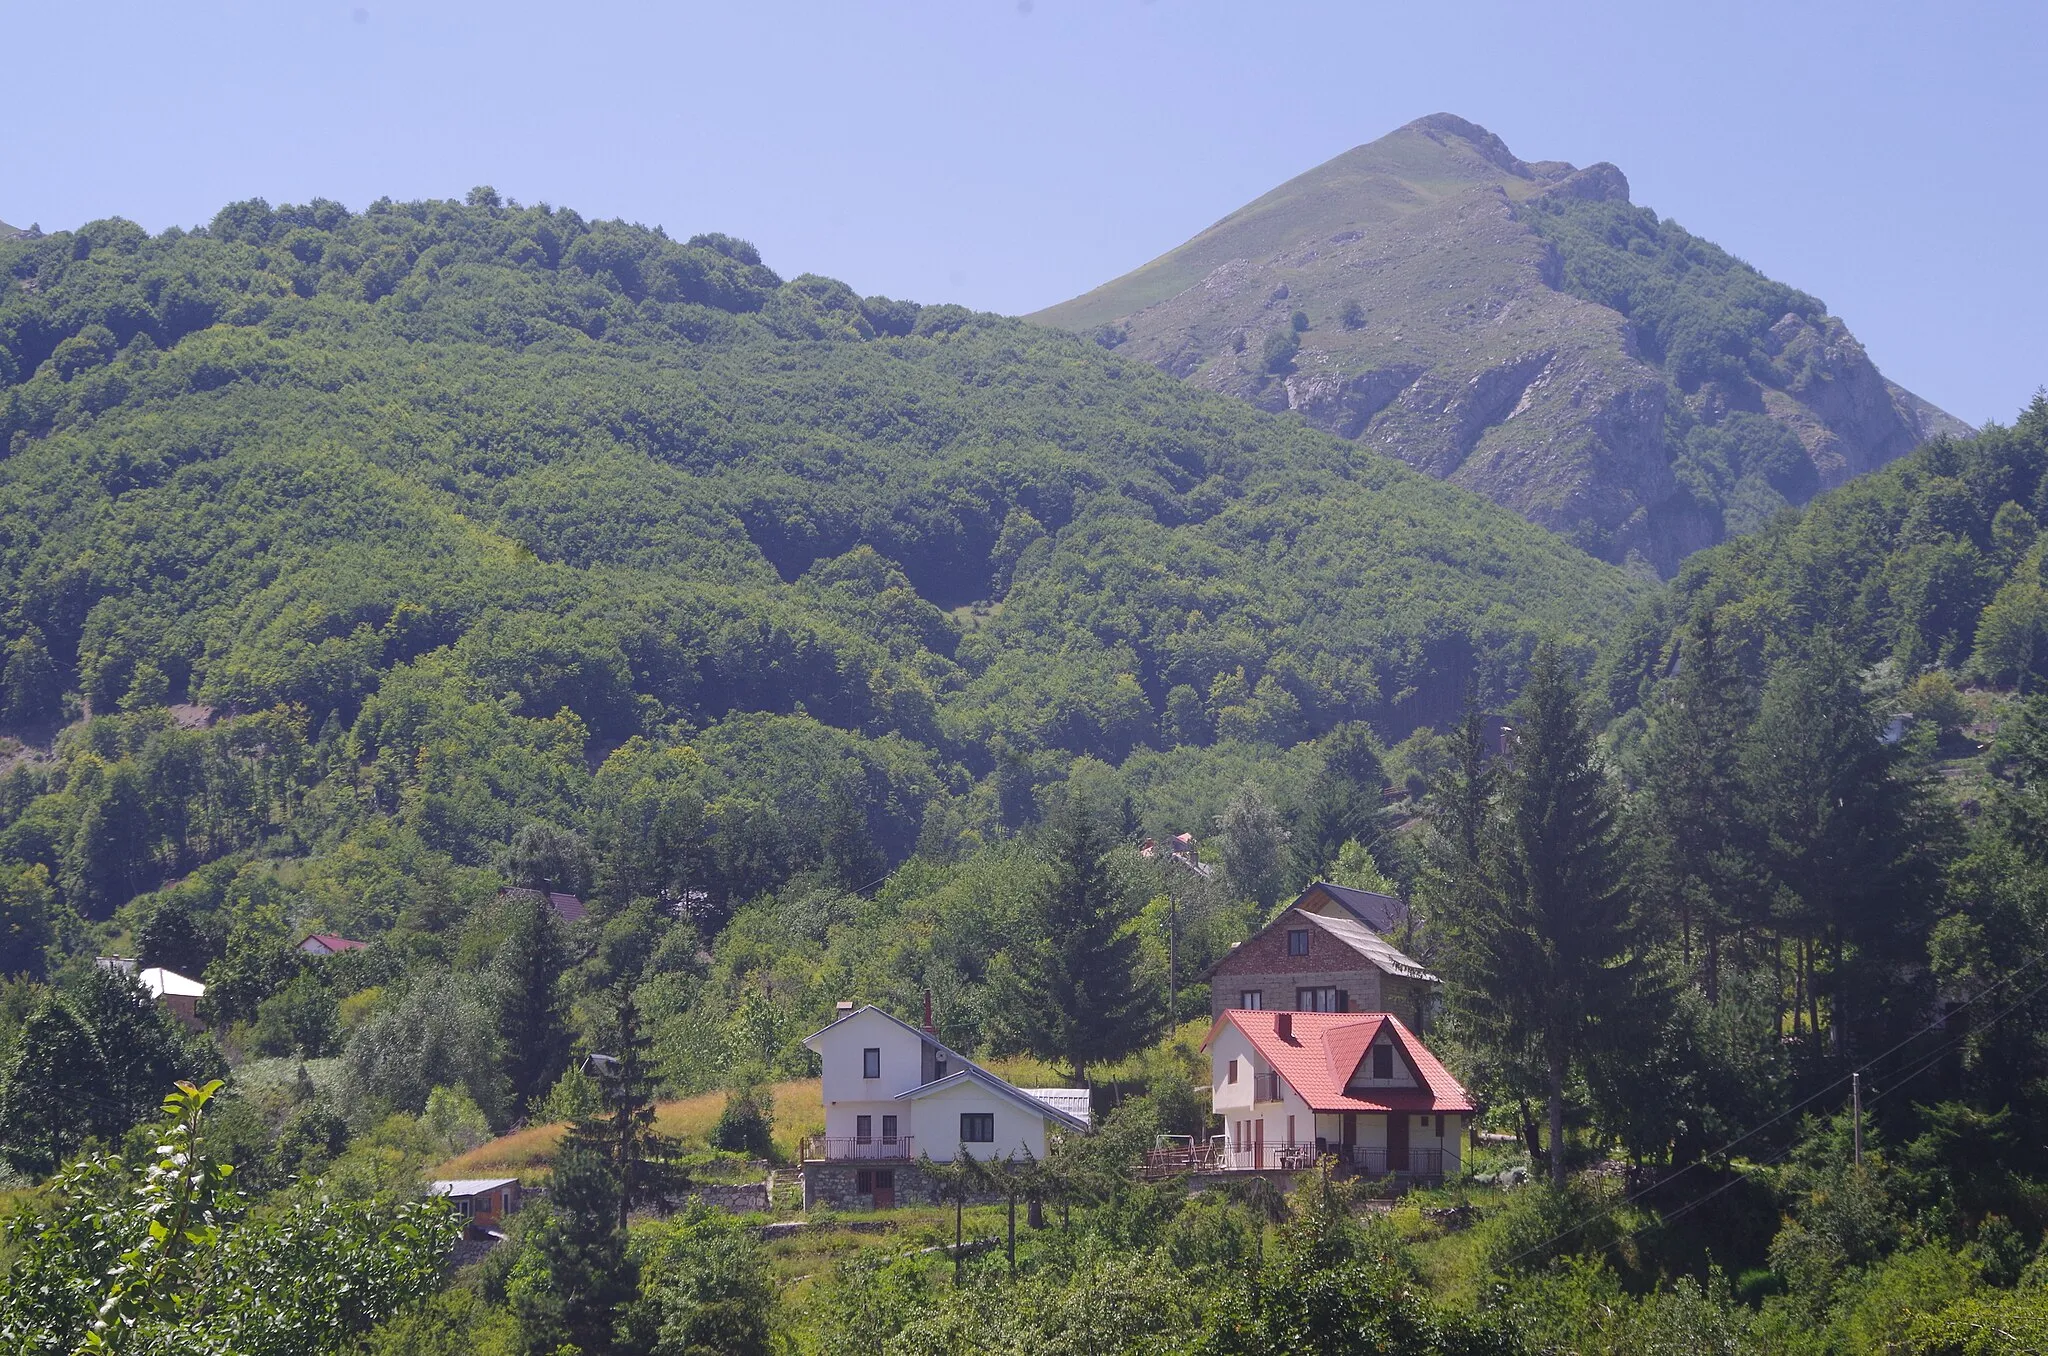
(1538, 926)
(1345, 805)
(528, 968)
(1068, 989)
(575, 1273)
(1692, 797)
(1849, 837)
(643, 1161)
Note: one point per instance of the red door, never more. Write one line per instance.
(1259, 1142)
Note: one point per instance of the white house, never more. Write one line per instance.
(1360, 1086)
(894, 1094)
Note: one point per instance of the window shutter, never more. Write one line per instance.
(1343, 1001)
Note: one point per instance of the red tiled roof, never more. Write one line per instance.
(333, 942)
(1318, 1059)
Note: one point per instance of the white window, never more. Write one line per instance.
(977, 1127)
(871, 1062)
(1251, 999)
(1316, 1000)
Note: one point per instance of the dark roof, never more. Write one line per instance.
(1381, 913)
(1369, 945)
(567, 907)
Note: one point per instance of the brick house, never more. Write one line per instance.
(1317, 956)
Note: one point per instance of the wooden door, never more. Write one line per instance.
(1259, 1142)
(1397, 1141)
(885, 1188)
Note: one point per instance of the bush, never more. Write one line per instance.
(747, 1125)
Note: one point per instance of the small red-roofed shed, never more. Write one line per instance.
(1360, 1086)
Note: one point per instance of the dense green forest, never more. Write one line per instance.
(361, 565)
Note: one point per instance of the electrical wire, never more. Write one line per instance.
(1826, 1088)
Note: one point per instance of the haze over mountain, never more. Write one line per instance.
(1520, 328)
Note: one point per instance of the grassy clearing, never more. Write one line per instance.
(527, 1154)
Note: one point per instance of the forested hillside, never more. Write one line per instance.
(1934, 563)
(358, 567)
(339, 551)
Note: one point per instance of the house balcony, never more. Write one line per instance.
(853, 1148)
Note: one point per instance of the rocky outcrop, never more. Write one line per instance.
(1443, 330)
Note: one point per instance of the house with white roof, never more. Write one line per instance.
(179, 995)
(894, 1094)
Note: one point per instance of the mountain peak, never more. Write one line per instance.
(1491, 148)
(1521, 329)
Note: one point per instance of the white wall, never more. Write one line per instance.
(1226, 1098)
(847, 1093)
(1019, 1131)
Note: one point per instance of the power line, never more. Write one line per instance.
(1634, 1196)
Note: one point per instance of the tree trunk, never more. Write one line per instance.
(1556, 1094)
(1530, 1139)
(1012, 1243)
(1712, 942)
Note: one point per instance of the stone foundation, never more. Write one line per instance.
(835, 1184)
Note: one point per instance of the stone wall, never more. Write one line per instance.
(835, 1185)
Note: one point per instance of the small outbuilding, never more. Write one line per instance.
(179, 995)
(483, 1202)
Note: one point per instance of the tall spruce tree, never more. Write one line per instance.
(1344, 805)
(574, 1274)
(527, 971)
(1068, 988)
(1538, 926)
(1851, 841)
(1695, 838)
(644, 1162)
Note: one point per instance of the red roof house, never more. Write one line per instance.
(1292, 1086)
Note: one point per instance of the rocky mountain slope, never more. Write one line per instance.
(1521, 329)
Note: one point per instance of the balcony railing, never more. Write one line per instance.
(1266, 1087)
(829, 1147)
(1421, 1164)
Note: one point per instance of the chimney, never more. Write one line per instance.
(929, 1029)
(1283, 1025)
(841, 1008)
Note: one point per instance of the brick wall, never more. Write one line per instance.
(1263, 963)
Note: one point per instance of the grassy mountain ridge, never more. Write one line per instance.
(1520, 329)
(479, 490)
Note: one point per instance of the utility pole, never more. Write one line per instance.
(1856, 1102)
(1172, 951)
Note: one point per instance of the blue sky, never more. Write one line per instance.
(1886, 157)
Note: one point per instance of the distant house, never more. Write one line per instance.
(893, 1094)
(1318, 956)
(179, 995)
(1181, 849)
(328, 944)
(1361, 1087)
(484, 1203)
(567, 907)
